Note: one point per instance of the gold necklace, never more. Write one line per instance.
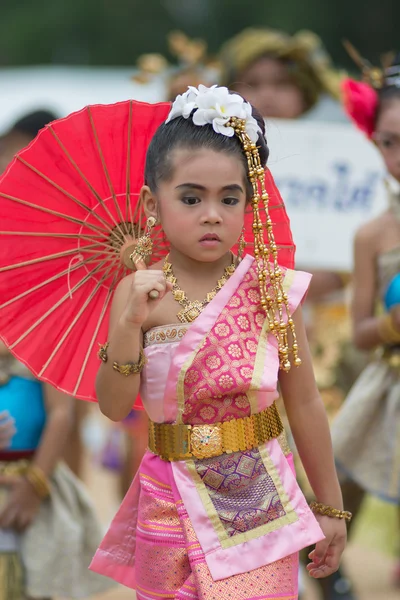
(191, 310)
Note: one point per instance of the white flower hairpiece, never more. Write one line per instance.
(215, 106)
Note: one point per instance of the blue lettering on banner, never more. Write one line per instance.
(340, 193)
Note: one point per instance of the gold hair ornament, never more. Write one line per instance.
(274, 299)
(376, 77)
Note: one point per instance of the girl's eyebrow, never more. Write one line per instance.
(196, 186)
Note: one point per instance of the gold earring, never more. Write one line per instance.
(144, 244)
(242, 246)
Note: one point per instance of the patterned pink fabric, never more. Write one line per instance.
(221, 373)
(162, 557)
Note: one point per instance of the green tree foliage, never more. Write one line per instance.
(116, 32)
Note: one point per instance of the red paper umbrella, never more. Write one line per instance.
(69, 217)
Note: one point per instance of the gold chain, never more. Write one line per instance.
(191, 310)
(274, 299)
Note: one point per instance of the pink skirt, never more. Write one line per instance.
(152, 547)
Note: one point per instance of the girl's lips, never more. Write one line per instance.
(210, 237)
(209, 242)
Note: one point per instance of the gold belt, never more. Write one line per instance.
(177, 441)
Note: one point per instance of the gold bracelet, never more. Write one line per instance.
(128, 368)
(38, 481)
(387, 331)
(329, 511)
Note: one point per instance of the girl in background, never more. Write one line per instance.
(366, 433)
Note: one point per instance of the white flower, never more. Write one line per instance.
(183, 105)
(215, 106)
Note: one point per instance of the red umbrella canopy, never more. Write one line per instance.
(69, 215)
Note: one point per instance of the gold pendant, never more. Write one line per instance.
(190, 312)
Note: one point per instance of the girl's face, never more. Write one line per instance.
(201, 207)
(387, 136)
(268, 86)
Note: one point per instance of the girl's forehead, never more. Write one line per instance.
(204, 162)
(389, 116)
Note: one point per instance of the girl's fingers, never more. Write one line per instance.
(140, 265)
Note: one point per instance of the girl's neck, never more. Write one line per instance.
(183, 264)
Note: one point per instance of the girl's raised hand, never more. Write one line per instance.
(140, 303)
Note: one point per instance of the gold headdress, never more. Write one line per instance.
(374, 76)
(194, 66)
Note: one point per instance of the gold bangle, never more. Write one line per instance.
(329, 511)
(128, 368)
(38, 481)
(387, 330)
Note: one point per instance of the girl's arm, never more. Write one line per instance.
(310, 429)
(309, 423)
(115, 392)
(23, 501)
(59, 421)
(366, 335)
(130, 309)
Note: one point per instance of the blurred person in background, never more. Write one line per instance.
(20, 134)
(292, 77)
(286, 77)
(48, 531)
(366, 432)
(39, 495)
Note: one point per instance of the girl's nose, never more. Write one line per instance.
(211, 215)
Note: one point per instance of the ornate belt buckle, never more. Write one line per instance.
(206, 441)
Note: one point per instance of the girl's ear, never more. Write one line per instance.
(149, 202)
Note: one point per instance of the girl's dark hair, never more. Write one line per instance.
(183, 133)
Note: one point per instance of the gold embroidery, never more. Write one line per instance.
(165, 334)
(225, 540)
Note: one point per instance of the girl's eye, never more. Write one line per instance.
(231, 201)
(387, 143)
(190, 200)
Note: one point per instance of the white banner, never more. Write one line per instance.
(331, 179)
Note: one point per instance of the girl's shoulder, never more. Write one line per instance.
(372, 231)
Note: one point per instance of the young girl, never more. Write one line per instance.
(215, 510)
(366, 433)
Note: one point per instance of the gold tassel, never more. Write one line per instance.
(11, 576)
(274, 299)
